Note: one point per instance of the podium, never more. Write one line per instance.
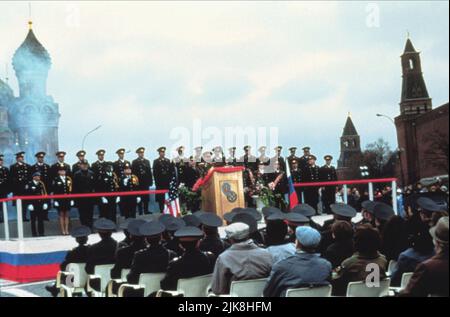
(222, 190)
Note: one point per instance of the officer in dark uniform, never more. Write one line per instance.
(341, 212)
(76, 255)
(62, 185)
(163, 171)
(36, 207)
(294, 220)
(218, 158)
(99, 166)
(60, 156)
(278, 158)
(142, 169)
(312, 175)
(198, 157)
(192, 263)
(292, 156)
(172, 224)
(327, 173)
(107, 182)
(262, 158)
(102, 252)
(231, 159)
(81, 157)
(155, 258)
(20, 173)
(129, 183)
(120, 164)
(190, 176)
(248, 160)
(83, 183)
(303, 162)
(297, 177)
(5, 184)
(307, 211)
(180, 163)
(43, 168)
(212, 241)
(124, 256)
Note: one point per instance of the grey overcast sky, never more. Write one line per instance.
(141, 69)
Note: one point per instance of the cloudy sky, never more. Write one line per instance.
(149, 72)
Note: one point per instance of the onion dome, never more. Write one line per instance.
(31, 54)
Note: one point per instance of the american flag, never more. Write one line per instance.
(171, 200)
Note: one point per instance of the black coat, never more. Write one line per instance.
(213, 244)
(102, 252)
(76, 255)
(5, 182)
(33, 189)
(76, 167)
(119, 166)
(327, 173)
(124, 257)
(153, 259)
(44, 169)
(59, 187)
(55, 167)
(338, 251)
(190, 264)
(163, 170)
(99, 168)
(20, 175)
(142, 169)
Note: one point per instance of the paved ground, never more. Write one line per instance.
(13, 289)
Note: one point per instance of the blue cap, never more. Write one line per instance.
(383, 211)
(210, 219)
(36, 174)
(103, 224)
(152, 228)
(81, 231)
(173, 224)
(191, 220)
(304, 209)
(134, 225)
(308, 237)
(427, 204)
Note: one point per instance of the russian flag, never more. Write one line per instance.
(293, 198)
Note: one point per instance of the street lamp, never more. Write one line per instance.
(398, 146)
(86, 135)
(364, 171)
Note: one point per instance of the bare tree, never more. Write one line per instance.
(380, 159)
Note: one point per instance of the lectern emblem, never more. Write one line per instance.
(231, 195)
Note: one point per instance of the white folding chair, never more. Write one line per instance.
(110, 289)
(315, 291)
(406, 277)
(361, 289)
(75, 280)
(191, 287)
(248, 288)
(151, 282)
(103, 273)
(391, 267)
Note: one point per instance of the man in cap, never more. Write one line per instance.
(327, 173)
(276, 239)
(262, 159)
(427, 207)
(367, 207)
(297, 177)
(5, 187)
(304, 160)
(142, 169)
(155, 257)
(431, 277)
(124, 256)
(382, 213)
(129, 183)
(307, 211)
(244, 260)
(99, 166)
(342, 212)
(172, 225)
(180, 162)
(198, 157)
(218, 158)
(20, 174)
(108, 183)
(295, 220)
(163, 171)
(278, 183)
(36, 207)
(305, 268)
(231, 159)
(102, 252)
(212, 241)
(76, 255)
(84, 183)
(248, 160)
(247, 217)
(311, 176)
(43, 168)
(278, 158)
(60, 163)
(292, 156)
(192, 263)
(81, 155)
(121, 162)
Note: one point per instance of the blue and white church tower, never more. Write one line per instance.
(33, 115)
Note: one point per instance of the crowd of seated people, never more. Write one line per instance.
(291, 250)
